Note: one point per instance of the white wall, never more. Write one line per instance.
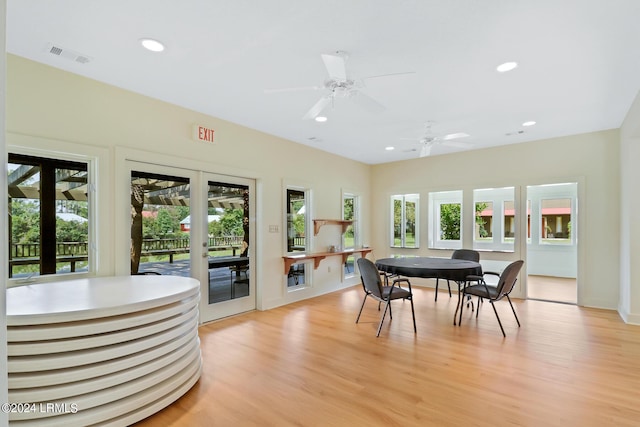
(629, 307)
(47, 106)
(591, 160)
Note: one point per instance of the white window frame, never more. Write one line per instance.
(357, 238)
(497, 197)
(436, 200)
(97, 183)
(404, 198)
(308, 232)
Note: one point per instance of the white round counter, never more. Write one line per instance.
(108, 350)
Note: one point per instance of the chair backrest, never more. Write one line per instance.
(370, 276)
(466, 254)
(508, 278)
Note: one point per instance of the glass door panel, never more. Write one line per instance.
(229, 282)
(160, 224)
(228, 241)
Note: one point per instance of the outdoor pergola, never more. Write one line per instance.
(161, 190)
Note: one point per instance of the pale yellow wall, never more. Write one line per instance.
(590, 159)
(50, 105)
(629, 306)
(47, 103)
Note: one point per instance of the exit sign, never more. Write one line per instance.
(204, 134)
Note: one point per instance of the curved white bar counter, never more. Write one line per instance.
(107, 350)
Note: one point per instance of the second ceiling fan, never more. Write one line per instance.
(429, 140)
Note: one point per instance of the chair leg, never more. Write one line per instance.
(361, 307)
(437, 282)
(461, 304)
(382, 318)
(449, 286)
(498, 317)
(514, 310)
(413, 314)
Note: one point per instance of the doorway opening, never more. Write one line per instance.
(552, 244)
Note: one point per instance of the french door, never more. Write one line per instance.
(195, 224)
(227, 275)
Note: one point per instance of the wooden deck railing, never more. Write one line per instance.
(73, 252)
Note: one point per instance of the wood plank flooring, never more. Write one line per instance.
(309, 364)
(550, 288)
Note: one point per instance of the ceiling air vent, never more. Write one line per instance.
(67, 54)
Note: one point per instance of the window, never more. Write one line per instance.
(551, 216)
(509, 228)
(49, 218)
(404, 221)
(298, 226)
(484, 222)
(296, 221)
(494, 215)
(351, 236)
(445, 221)
(555, 224)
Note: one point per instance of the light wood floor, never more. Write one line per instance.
(552, 288)
(309, 364)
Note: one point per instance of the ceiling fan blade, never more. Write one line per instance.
(293, 89)
(368, 103)
(317, 108)
(336, 66)
(459, 144)
(425, 150)
(388, 75)
(454, 136)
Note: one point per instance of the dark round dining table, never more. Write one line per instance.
(432, 268)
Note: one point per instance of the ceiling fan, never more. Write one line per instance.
(340, 85)
(429, 140)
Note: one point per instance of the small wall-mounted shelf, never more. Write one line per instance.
(317, 223)
(289, 260)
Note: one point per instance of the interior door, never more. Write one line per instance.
(227, 246)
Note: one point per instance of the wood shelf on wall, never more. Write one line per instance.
(317, 223)
(289, 260)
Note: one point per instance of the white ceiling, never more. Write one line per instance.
(579, 63)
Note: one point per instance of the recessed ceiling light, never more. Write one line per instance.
(152, 45)
(507, 66)
(389, 148)
(529, 123)
(321, 119)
